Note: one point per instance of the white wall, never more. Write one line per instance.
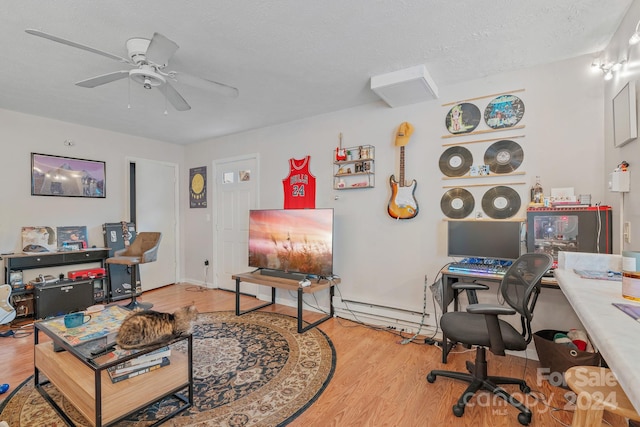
(384, 261)
(22, 134)
(619, 49)
(381, 260)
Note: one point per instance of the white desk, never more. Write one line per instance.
(611, 331)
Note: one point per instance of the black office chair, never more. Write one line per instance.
(480, 326)
(470, 288)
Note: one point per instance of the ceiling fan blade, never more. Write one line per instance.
(175, 98)
(103, 79)
(78, 45)
(205, 84)
(161, 49)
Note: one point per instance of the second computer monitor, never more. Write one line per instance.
(485, 239)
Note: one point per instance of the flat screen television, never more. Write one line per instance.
(501, 240)
(295, 242)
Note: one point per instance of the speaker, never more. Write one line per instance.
(66, 296)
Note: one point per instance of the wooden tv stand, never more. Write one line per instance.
(290, 285)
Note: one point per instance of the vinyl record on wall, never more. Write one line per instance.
(455, 161)
(504, 111)
(501, 202)
(457, 203)
(462, 118)
(503, 156)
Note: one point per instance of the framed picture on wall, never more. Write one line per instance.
(625, 126)
(198, 187)
(67, 176)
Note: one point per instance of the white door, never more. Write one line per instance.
(236, 193)
(156, 210)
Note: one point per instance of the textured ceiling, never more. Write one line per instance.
(289, 59)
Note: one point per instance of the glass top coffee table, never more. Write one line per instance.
(77, 360)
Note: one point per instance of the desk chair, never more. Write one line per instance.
(143, 249)
(481, 326)
(470, 288)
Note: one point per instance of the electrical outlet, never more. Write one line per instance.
(626, 232)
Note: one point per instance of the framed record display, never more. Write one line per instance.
(504, 111)
(462, 118)
(501, 202)
(457, 203)
(504, 156)
(455, 161)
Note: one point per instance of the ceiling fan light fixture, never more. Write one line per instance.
(147, 77)
(149, 57)
(137, 49)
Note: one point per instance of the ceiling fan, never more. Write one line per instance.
(148, 59)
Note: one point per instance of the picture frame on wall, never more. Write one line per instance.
(198, 187)
(72, 237)
(625, 123)
(67, 176)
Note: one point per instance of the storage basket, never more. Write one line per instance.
(558, 357)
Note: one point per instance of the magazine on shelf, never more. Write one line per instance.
(615, 276)
(140, 371)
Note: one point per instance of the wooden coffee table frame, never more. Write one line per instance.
(288, 284)
(86, 384)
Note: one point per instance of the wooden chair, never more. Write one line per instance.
(143, 249)
(597, 390)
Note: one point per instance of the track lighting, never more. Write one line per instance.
(635, 38)
(607, 68)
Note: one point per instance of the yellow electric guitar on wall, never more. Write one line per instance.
(7, 312)
(403, 204)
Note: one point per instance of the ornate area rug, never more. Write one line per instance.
(252, 370)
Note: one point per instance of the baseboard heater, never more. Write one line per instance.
(379, 314)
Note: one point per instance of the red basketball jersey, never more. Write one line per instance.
(300, 185)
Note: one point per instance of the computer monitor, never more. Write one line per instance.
(500, 240)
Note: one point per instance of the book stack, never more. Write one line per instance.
(140, 365)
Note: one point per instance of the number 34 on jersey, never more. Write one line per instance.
(300, 185)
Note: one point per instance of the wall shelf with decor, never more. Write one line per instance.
(354, 167)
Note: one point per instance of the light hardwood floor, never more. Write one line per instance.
(378, 381)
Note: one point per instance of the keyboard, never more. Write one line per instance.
(468, 267)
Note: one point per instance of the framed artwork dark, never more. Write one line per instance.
(67, 176)
(198, 187)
